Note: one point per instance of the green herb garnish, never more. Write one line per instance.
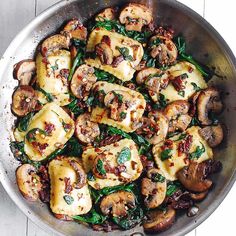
(49, 96)
(125, 53)
(181, 93)
(166, 154)
(156, 177)
(68, 199)
(24, 122)
(197, 153)
(195, 87)
(124, 155)
(100, 167)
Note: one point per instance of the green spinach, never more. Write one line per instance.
(92, 217)
(166, 154)
(197, 153)
(124, 155)
(24, 122)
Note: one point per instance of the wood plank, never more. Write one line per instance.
(14, 16)
(12, 220)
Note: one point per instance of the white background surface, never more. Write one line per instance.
(15, 14)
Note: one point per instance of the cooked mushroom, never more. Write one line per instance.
(208, 101)
(105, 53)
(118, 101)
(193, 177)
(24, 100)
(177, 113)
(159, 220)
(24, 71)
(212, 134)
(154, 80)
(85, 130)
(28, 182)
(107, 14)
(198, 196)
(76, 29)
(163, 49)
(135, 16)
(154, 127)
(81, 176)
(54, 43)
(153, 188)
(118, 203)
(82, 81)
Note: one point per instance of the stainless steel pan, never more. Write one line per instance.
(203, 42)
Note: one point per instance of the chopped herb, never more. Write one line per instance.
(151, 62)
(24, 122)
(162, 100)
(68, 199)
(124, 155)
(119, 96)
(197, 153)
(155, 42)
(74, 107)
(100, 167)
(55, 67)
(90, 176)
(125, 53)
(181, 93)
(195, 87)
(112, 130)
(105, 76)
(172, 187)
(92, 217)
(77, 62)
(156, 177)
(166, 154)
(49, 96)
(182, 136)
(171, 134)
(30, 136)
(123, 115)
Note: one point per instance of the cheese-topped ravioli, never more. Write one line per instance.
(48, 130)
(173, 154)
(112, 165)
(52, 73)
(66, 198)
(185, 81)
(131, 52)
(120, 106)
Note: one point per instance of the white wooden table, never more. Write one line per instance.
(15, 14)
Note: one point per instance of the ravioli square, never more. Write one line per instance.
(126, 68)
(170, 166)
(48, 130)
(117, 171)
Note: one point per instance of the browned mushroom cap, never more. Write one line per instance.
(28, 182)
(76, 29)
(24, 71)
(82, 81)
(81, 176)
(159, 221)
(177, 114)
(107, 14)
(54, 43)
(163, 49)
(24, 100)
(154, 80)
(154, 188)
(193, 177)
(198, 196)
(105, 53)
(212, 134)
(117, 203)
(135, 16)
(85, 130)
(208, 101)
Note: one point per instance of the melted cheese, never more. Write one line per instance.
(133, 166)
(133, 113)
(82, 203)
(50, 113)
(171, 94)
(172, 165)
(48, 77)
(125, 69)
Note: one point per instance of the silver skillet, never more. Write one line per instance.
(202, 41)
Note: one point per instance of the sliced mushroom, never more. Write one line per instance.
(118, 203)
(154, 127)
(159, 220)
(28, 182)
(208, 101)
(177, 114)
(107, 14)
(24, 71)
(24, 100)
(154, 80)
(154, 188)
(163, 49)
(76, 29)
(82, 81)
(81, 176)
(193, 177)
(118, 102)
(85, 130)
(105, 53)
(135, 16)
(54, 43)
(212, 134)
